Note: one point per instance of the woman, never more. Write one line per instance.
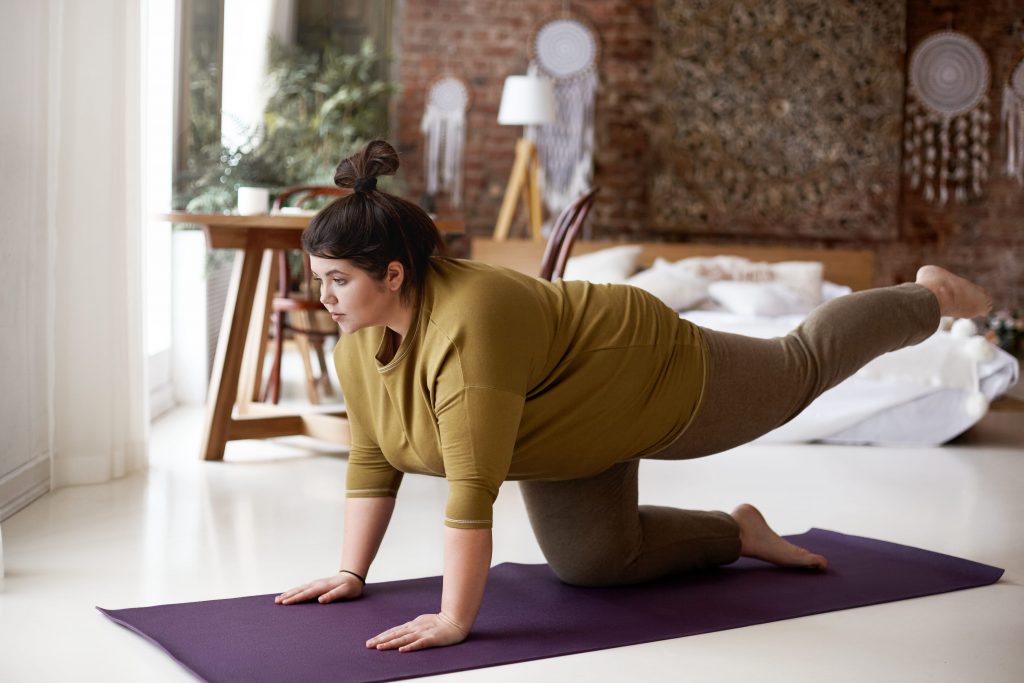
(480, 374)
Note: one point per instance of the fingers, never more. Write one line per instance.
(389, 639)
(403, 637)
(416, 645)
(299, 594)
(326, 589)
(425, 631)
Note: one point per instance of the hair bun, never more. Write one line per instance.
(377, 158)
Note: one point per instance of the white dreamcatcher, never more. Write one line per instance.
(566, 50)
(444, 130)
(946, 137)
(1013, 122)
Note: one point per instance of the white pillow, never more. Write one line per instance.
(676, 287)
(830, 290)
(760, 299)
(613, 265)
(804, 277)
(724, 268)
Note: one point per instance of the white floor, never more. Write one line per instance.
(269, 517)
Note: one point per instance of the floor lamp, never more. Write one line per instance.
(525, 101)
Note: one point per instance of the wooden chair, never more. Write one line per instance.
(563, 234)
(295, 307)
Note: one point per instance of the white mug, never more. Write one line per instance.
(253, 200)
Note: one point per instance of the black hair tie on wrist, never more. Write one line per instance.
(345, 571)
(365, 184)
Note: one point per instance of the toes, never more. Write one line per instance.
(813, 561)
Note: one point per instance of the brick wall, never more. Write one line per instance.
(488, 41)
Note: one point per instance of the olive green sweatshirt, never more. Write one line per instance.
(504, 376)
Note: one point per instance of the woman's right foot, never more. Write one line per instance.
(957, 297)
(757, 540)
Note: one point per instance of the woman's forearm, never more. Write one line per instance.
(467, 558)
(366, 520)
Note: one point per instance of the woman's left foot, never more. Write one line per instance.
(757, 540)
(957, 296)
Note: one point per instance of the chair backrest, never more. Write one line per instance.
(563, 234)
(300, 194)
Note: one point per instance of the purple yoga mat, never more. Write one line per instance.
(529, 614)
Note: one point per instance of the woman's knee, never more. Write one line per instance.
(586, 573)
(590, 555)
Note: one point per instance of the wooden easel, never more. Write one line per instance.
(525, 180)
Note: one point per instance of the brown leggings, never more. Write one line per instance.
(593, 532)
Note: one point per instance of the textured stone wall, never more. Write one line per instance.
(808, 154)
(778, 117)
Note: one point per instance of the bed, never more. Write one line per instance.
(924, 395)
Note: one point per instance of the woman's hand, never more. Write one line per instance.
(335, 587)
(426, 630)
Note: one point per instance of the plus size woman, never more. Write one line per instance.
(480, 375)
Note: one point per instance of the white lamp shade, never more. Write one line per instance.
(527, 101)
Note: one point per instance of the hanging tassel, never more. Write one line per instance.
(915, 180)
(984, 156)
(567, 146)
(943, 159)
(1018, 137)
(962, 167)
(445, 133)
(929, 161)
(456, 142)
(1018, 117)
(431, 128)
(1007, 121)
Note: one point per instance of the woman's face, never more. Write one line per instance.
(353, 298)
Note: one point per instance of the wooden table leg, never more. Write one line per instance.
(255, 341)
(230, 346)
(261, 356)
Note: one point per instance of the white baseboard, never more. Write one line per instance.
(24, 485)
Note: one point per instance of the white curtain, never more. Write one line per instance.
(80, 227)
(95, 166)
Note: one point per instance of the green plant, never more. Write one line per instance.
(1006, 330)
(321, 106)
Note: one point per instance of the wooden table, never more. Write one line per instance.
(231, 410)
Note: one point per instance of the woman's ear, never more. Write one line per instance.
(395, 276)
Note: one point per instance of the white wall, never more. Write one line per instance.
(25, 331)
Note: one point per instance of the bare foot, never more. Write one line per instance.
(757, 540)
(957, 297)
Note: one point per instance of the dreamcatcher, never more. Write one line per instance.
(444, 130)
(566, 50)
(1013, 122)
(946, 137)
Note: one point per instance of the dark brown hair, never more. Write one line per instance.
(372, 228)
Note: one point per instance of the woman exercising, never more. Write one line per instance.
(479, 374)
